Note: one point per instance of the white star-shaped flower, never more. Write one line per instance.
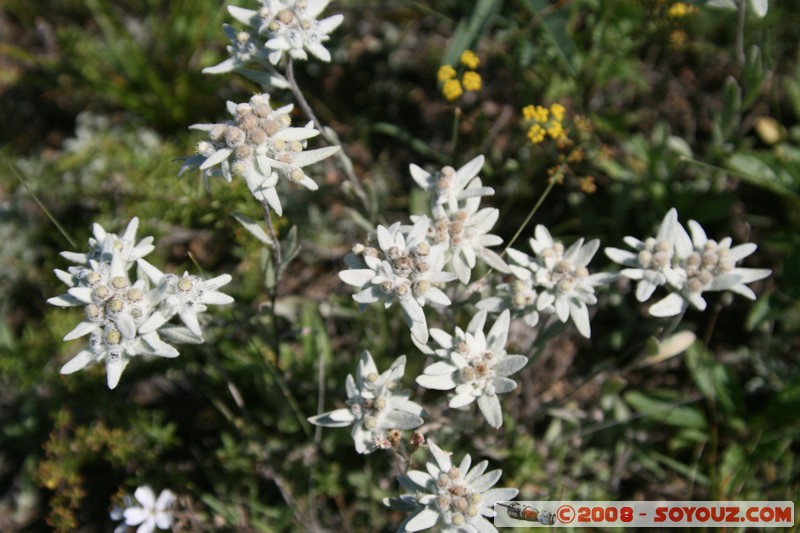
(476, 365)
(449, 186)
(185, 296)
(112, 347)
(376, 405)
(400, 266)
(291, 27)
(151, 513)
(561, 276)
(457, 498)
(686, 266)
(652, 264)
(708, 266)
(260, 145)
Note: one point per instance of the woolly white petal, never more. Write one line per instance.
(114, 371)
(490, 407)
(357, 277)
(424, 519)
(670, 305)
(81, 360)
(216, 158)
(580, 316)
(460, 400)
(486, 481)
(510, 364)
(436, 382)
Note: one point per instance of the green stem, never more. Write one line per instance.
(530, 215)
(41, 205)
(454, 133)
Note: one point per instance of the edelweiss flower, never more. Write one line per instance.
(375, 406)
(652, 264)
(150, 514)
(449, 185)
(466, 234)
(475, 365)
(186, 297)
(115, 349)
(686, 266)
(125, 319)
(259, 145)
(709, 266)
(400, 266)
(455, 497)
(519, 297)
(291, 27)
(129, 250)
(562, 277)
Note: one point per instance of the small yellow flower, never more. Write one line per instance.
(471, 81)
(677, 39)
(587, 184)
(528, 111)
(536, 134)
(446, 72)
(555, 131)
(536, 113)
(469, 59)
(679, 10)
(558, 111)
(452, 89)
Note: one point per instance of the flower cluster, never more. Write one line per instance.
(452, 86)
(680, 10)
(457, 221)
(476, 365)
(543, 122)
(564, 284)
(278, 29)
(149, 514)
(125, 319)
(458, 498)
(260, 145)
(686, 266)
(399, 264)
(375, 406)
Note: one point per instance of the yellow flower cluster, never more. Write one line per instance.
(452, 87)
(680, 10)
(544, 122)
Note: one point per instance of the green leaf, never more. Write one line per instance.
(731, 115)
(469, 31)
(556, 26)
(754, 76)
(714, 379)
(255, 230)
(764, 170)
(661, 408)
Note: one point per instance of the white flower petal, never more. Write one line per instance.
(670, 305)
(424, 519)
(81, 360)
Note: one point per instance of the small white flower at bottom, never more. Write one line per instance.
(151, 513)
(457, 498)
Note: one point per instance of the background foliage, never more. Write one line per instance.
(96, 98)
